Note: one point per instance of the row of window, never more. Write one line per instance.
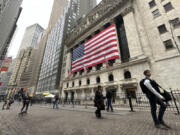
(167, 7)
(127, 75)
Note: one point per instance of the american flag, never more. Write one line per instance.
(99, 49)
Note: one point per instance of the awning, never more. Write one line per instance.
(45, 94)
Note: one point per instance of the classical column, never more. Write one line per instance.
(83, 95)
(119, 89)
(104, 91)
(63, 94)
(68, 63)
(132, 32)
(92, 93)
(75, 95)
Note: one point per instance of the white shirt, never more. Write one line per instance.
(149, 86)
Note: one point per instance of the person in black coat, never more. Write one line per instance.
(99, 102)
(26, 101)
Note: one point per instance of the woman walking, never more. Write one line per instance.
(99, 102)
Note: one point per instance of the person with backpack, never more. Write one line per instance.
(152, 92)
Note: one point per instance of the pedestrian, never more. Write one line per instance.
(5, 102)
(26, 100)
(153, 94)
(56, 101)
(109, 100)
(99, 102)
(11, 101)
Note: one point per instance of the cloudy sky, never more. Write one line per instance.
(34, 11)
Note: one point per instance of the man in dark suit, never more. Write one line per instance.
(153, 94)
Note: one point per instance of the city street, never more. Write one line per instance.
(46, 121)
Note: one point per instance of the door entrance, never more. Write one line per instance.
(131, 92)
(66, 96)
(72, 95)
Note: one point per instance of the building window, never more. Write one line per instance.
(111, 78)
(156, 13)
(175, 23)
(72, 84)
(111, 62)
(107, 25)
(127, 75)
(162, 29)
(96, 32)
(82, 71)
(98, 79)
(74, 74)
(152, 4)
(67, 85)
(79, 82)
(89, 69)
(168, 7)
(98, 66)
(168, 44)
(88, 81)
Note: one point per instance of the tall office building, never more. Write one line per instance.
(30, 76)
(5, 75)
(57, 11)
(49, 79)
(32, 36)
(9, 14)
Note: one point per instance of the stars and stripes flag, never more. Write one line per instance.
(99, 49)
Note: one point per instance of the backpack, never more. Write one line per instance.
(143, 87)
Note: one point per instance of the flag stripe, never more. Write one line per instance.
(100, 34)
(106, 35)
(101, 60)
(97, 54)
(85, 62)
(99, 49)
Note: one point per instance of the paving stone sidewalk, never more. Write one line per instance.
(46, 121)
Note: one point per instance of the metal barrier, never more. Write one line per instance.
(138, 101)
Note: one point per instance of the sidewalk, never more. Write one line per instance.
(43, 120)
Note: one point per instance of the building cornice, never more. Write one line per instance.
(98, 14)
(106, 70)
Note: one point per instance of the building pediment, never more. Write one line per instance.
(100, 12)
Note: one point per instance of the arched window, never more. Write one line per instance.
(98, 79)
(88, 81)
(79, 82)
(127, 75)
(67, 85)
(111, 78)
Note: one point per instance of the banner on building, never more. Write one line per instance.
(98, 49)
(4, 68)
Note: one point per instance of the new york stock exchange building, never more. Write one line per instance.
(116, 42)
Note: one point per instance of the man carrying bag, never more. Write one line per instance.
(151, 89)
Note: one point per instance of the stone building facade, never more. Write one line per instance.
(148, 32)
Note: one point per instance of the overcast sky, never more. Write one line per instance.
(34, 11)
